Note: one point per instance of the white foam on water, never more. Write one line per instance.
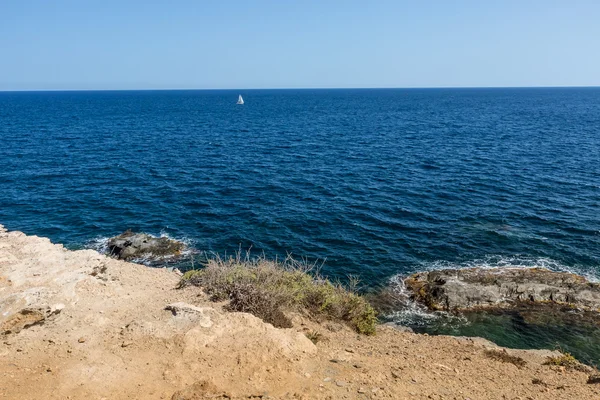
(188, 243)
(517, 261)
(100, 244)
(411, 313)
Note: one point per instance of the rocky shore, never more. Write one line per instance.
(80, 325)
(478, 288)
(129, 246)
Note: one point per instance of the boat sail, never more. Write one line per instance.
(240, 100)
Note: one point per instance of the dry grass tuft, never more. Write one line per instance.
(503, 356)
(314, 336)
(268, 289)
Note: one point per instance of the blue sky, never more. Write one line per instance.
(109, 44)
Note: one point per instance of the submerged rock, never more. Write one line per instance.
(130, 245)
(477, 288)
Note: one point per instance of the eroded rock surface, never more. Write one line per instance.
(26, 317)
(474, 288)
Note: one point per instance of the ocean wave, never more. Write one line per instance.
(412, 314)
(100, 244)
(516, 261)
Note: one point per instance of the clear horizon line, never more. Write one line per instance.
(303, 88)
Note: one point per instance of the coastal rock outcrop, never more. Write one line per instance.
(480, 288)
(130, 245)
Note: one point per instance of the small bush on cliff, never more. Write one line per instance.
(568, 361)
(268, 288)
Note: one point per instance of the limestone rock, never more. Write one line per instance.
(477, 288)
(130, 245)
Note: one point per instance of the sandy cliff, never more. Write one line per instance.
(78, 325)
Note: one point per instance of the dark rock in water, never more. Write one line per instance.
(475, 288)
(130, 245)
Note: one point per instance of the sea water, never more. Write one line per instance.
(375, 183)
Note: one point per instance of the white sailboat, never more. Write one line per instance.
(240, 100)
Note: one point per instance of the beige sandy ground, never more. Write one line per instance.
(99, 329)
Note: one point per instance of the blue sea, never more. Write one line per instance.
(376, 183)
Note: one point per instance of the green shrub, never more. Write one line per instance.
(568, 361)
(269, 288)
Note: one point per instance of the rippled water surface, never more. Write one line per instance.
(377, 182)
